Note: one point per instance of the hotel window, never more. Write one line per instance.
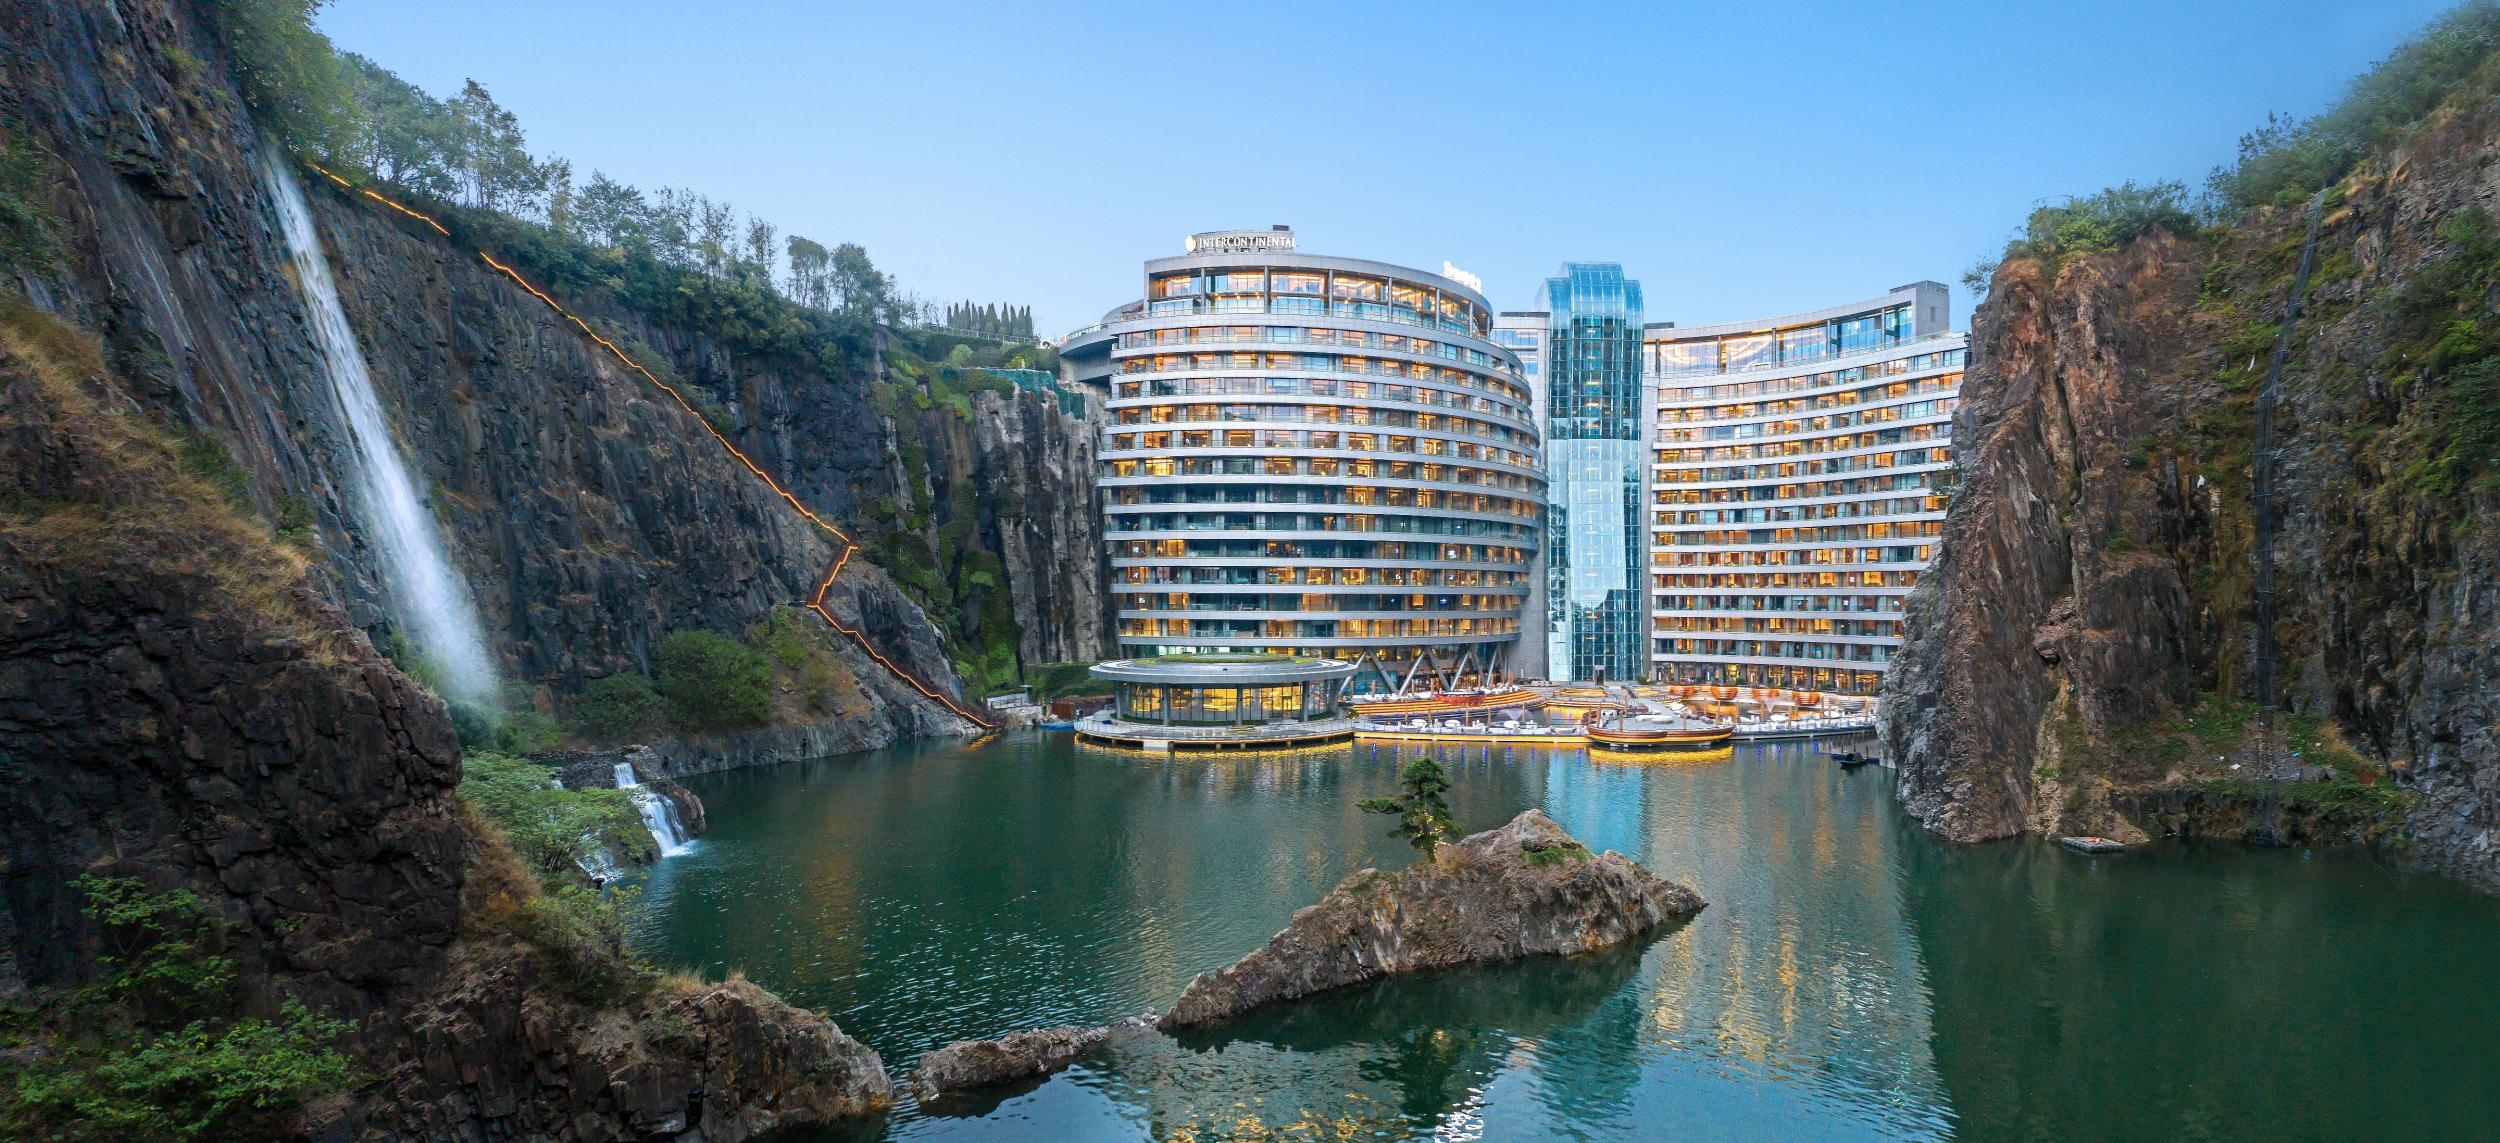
(1357, 289)
(1861, 333)
(1687, 357)
(1287, 283)
(1809, 344)
(1749, 351)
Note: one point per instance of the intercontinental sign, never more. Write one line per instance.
(1241, 241)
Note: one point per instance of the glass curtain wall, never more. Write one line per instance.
(1595, 560)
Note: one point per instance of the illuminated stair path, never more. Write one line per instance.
(842, 557)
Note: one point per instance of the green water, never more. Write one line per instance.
(1852, 977)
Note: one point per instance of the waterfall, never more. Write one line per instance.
(601, 867)
(427, 596)
(659, 813)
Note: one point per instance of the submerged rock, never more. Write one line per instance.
(1526, 889)
(967, 1064)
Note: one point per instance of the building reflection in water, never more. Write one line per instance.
(922, 895)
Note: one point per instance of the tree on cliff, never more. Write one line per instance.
(1423, 814)
(713, 682)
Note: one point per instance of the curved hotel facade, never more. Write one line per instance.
(1801, 472)
(1312, 454)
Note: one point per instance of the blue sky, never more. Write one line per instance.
(1739, 159)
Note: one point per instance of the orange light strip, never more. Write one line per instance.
(426, 219)
(841, 557)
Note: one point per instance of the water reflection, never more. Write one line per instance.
(1851, 978)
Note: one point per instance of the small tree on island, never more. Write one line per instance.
(1423, 815)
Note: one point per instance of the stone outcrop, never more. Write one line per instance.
(1525, 889)
(2095, 585)
(725, 1062)
(967, 1064)
(2060, 387)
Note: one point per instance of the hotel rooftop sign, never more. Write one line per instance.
(1242, 241)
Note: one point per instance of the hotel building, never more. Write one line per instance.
(1802, 466)
(1311, 454)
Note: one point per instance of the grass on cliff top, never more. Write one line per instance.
(1560, 853)
(101, 492)
(2283, 161)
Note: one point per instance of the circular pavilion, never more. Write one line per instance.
(1221, 701)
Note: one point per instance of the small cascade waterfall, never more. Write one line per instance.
(601, 866)
(427, 596)
(658, 813)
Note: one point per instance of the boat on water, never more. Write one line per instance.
(1724, 752)
(1811, 726)
(1654, 734)
(2092, 844)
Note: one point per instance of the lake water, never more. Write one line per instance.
(1852, 977)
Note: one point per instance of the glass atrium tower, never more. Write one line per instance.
(1596, 565)
(1310, 454)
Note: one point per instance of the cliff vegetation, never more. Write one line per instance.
(2216, 561)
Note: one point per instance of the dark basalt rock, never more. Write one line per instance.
(1525, 889)
(589, 515)
(2095, 574)
(189, 704)
(968, 1064)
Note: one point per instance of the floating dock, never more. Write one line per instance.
(1507, 736)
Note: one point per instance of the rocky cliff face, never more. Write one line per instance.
(595, 515)
(1034, 464)
(589, 514)
(179, 705)
(2080, 658)
(188, 693)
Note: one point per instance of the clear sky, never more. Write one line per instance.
(1740, 159)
